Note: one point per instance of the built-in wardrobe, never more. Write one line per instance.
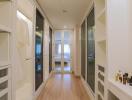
(83, 50)
(88, 50)
(50, 49)
(108, 46)
(21, 49)
(39, 50)
(16, 50)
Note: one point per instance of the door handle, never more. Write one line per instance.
(27, 59)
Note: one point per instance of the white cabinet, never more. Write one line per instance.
(101, 48)
(5, 83)
(113, 46)
(6, 26)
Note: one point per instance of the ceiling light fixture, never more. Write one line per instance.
(64, 11)
(65, 27)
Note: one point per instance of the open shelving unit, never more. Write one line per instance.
(5, 43)
(113, 48)
(119, 47)
(100, 45)
(5, 83)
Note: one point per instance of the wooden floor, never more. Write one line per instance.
(63, 87)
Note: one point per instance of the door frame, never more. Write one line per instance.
(62, 52)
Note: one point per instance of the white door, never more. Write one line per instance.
(62, 51)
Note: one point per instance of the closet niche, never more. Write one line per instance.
(24, 54)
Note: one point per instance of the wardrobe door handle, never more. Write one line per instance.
(27, 59)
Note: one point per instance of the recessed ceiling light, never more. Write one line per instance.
(64, 11)
(65, 26)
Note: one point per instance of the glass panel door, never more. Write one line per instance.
(50, 50)
(58, 52)
(91, 50)
(83, 50)
(39, 50)
(62, 51)
(67, 52)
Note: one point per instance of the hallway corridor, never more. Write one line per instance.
(63, 87)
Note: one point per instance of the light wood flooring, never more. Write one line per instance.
(63, 87)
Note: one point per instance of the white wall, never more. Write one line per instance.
(119, 39)
(23, 54)
(46, 50)
(76, 51)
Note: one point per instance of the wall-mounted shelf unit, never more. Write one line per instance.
(6, 23)
(101, 83)
(103, 40)
(100, 45)
(5, 83)
(113, 47)
(111, 96)
(101, 17)
(5, 63)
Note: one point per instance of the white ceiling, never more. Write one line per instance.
(54, 9)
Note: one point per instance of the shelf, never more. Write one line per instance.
(4, 63)
(101, 40)
(100, 95)
(101, 88)
(3, 92)
(3, 79)
(102, 65)
(4, 48)
(111, 96)
(123, 92)
(102, 73)
(101, 16)
(101, 77)
(101, 82)
(4, 29)
(3, 85)
(4, 97)
(99, 5)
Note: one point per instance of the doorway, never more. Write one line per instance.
(62, 51)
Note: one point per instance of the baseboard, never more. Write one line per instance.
(38, 92)
(88, 90)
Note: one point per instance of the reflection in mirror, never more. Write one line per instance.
(39, 50)
(91, 50)
(50, 50)
(83, 50)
